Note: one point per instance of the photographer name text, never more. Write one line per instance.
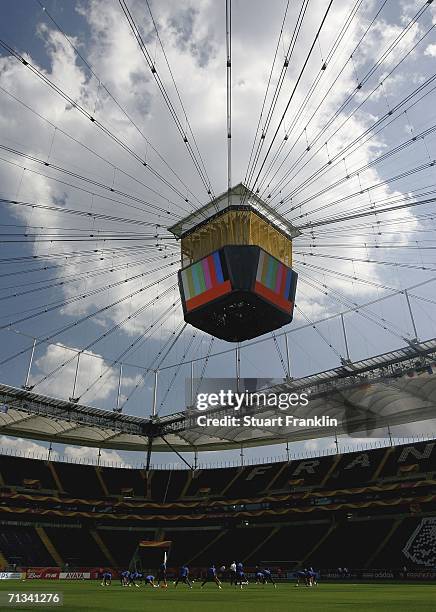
(257, 421)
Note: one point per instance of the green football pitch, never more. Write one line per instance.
(89, 595)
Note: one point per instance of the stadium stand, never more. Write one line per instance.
(126, 482)
(80, 481)
(122, 543)
(22, 545)
(202, 484)
(76, 547)
(403, 533)
(350, 542)
(191, 546)
(362, 465)
(366, 509)
(19, 473)
(421, 546)
(169, 485)
(298, 541)
(242, 540)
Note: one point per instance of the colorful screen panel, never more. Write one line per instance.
(205, 281)
(275, 282)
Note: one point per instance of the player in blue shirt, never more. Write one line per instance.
(211, 577)
(133, 577)
(150, 580)
(183, 576)
(124, 578)
(240, 575)
(267, 577)
(260, 578)
(107, 578)
(301, 577)
(240, 578)
(311, 577)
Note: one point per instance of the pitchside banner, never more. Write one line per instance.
(55, 573)
(75, 576)
(12, 575)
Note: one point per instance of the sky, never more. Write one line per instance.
(86, 260)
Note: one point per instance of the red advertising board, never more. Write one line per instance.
(42, 573)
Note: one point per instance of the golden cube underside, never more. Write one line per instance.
(237, 227)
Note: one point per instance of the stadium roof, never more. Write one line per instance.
(390, 389)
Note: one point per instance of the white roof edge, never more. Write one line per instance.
(223, 202)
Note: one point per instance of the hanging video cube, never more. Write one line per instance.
(236, 280)
(238, 293)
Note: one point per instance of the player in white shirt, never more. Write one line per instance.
(233, 573)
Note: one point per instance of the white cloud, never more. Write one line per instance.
(92, 366)
(77, 454)
(430, 50)
(25, 448)
(319, 445)
(85, 454)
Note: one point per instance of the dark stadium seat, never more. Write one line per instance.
(17, 471)
(23, 546)
(79, 480)
(123, 543)
(308, 472)
(350, 544)
(187, 544)
(410, 459)
(355, 469)
(392, 556)
(210, 483)
(291, 543)
(240, 542)
(253, 480)
(124, 482)
(76, 546)
(168, 485)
